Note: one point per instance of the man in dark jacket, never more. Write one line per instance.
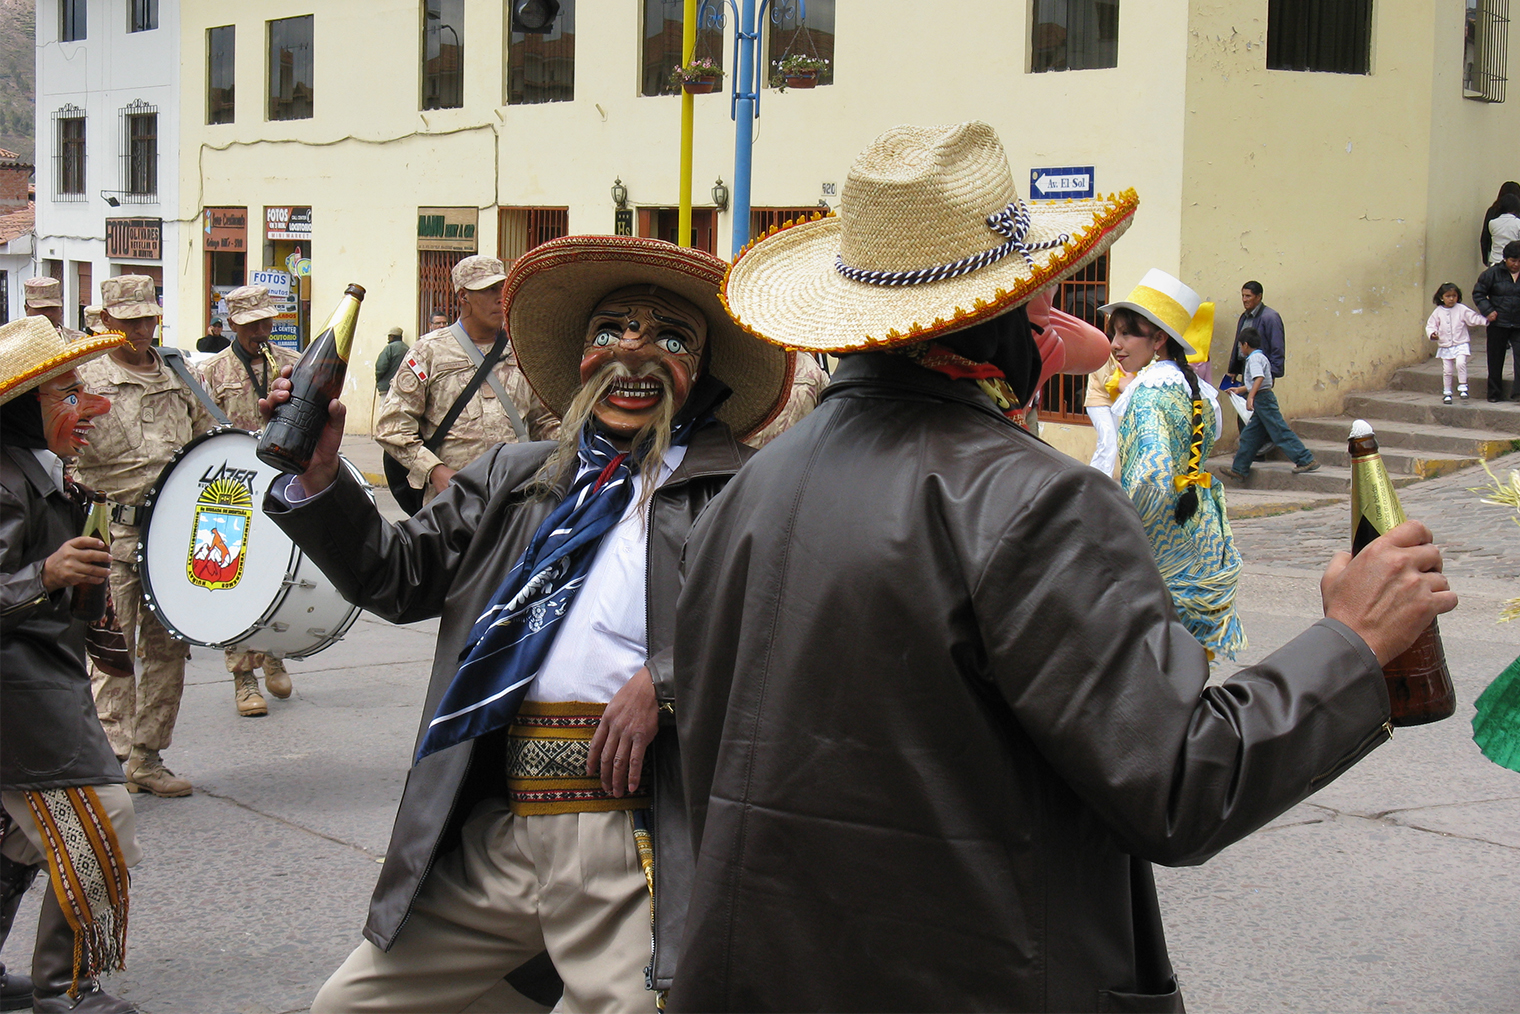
(1497, 295)
(555, 569)
(937, 712)
(56, 766)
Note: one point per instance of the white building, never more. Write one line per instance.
(16, 216)
(108, 86)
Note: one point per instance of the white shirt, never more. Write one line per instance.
(602, 640)
(52, 463)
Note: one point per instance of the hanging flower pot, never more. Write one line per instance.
(700, 77)
(701, 85)
(798, 71)
(802, 79)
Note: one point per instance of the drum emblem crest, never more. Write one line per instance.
(222, 513)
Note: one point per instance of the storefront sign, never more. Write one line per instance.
(226, 230)
(134, 238)
(285, 328)
(287, 223)
(622, 222)
(447, 229)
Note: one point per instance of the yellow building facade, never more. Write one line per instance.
(1348, 195)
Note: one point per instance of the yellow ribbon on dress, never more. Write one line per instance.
(1195, 476)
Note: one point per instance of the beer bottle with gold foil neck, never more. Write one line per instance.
(1419, 684)
(291, 435)
(90, 599)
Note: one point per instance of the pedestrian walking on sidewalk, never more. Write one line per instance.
(1267, 422)
(1497, 296)
(1448, 326)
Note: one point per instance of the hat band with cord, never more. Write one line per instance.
(1012, 222)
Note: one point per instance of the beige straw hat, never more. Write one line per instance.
(552, 289)
(32, 352)
(931, 238)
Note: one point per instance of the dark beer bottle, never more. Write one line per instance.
(290, 436)
(90, 599)
(1419, 684)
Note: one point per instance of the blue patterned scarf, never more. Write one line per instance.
(511, 639)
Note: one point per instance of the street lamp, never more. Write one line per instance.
(110, 196)
(720, 194)
(619, 193)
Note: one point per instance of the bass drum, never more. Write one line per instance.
(217, 572)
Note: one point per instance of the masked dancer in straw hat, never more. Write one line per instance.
(1168, 419)
(63, 807)
(555, 568)
(937, 713)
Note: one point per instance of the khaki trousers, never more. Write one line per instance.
(29, 849)
(569, 883)
(139, 712)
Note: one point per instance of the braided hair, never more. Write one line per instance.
(1187, 504)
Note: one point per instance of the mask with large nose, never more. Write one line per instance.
(646, 345)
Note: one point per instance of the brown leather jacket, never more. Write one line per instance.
(938, 716)
(448, 561)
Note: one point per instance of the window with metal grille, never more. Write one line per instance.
(442, 54)
(1063, 398)
(796, 44)
(664, 21)
(435, 286)
(521, 229)
(5, 297)
(290, 68)
(142, 15)
(762, 220)
(221, 52)
(1329, 36)
(71, 20)
(139, 134)
(1485, 50)
(1073, 35)
(541, 67)
(68, 182)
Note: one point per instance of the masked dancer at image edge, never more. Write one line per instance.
(555, 568)
(236, 378)
(937, 714)
(63, 809)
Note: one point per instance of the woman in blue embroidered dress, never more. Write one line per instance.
(1168, 420)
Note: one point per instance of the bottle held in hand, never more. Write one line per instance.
(291, 435)
(1419, 683)
(89, 602)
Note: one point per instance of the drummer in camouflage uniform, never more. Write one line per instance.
(236, 378)
(153, 414)
(438, 369)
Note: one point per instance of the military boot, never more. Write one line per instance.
(276, 679)
(146, 773)
(245, 689)
(54, 990)
(15, 878)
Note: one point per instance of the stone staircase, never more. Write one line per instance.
(1419, 437)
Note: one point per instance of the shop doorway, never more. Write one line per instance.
(663, 223)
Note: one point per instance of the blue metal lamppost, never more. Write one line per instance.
(745, 100)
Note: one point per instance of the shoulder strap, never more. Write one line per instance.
(487, 363)
(176, 360)
(473, 352)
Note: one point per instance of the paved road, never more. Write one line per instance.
(1395, 888)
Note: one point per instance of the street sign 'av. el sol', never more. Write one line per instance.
(1061, 183)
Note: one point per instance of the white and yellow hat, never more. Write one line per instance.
(1171, 306)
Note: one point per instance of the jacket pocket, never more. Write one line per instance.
(34, 726)
(1141, 1003)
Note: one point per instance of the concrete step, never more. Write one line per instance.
(1426, 378)
(1279, 475)
(1440, 440)
(1398, 460)
(1413, 407)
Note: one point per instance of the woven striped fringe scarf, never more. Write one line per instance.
(89, 876)
(989, 378)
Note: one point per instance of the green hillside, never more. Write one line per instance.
(18, 76)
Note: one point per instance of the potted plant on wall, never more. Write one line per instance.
(797, 70)
(699, 77)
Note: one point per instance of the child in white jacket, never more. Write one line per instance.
(1447, 327)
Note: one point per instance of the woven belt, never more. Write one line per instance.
(127, 513)
(547, 747)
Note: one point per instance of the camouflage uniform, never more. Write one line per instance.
(808, 382)
(226, 379)
(431, 376)
(130, 445)
(44, 292)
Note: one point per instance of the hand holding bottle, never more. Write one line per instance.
(1390, 591)
(324, 459)
(81, 560)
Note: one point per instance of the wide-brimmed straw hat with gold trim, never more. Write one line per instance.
(1169, 304)
(931, 237)
(32, 352)
(552, 289)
